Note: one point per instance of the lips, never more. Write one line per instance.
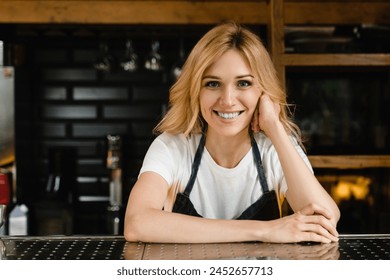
(228, 116)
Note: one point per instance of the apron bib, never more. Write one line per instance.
(265, 208)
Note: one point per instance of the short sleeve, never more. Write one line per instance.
(160, 160)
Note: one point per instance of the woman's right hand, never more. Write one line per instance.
(313, 223)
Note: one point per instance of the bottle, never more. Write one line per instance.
(3, 215)
(114, 210)
(18, 220)
(1, 53)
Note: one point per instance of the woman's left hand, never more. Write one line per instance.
(266, 116)
(313, 223)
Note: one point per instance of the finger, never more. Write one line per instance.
(323, 222)
(322, 229)
(309, 236)
(308, 210)
(313, 209)
(328, 225)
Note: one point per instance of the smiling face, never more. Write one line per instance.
(229, 95)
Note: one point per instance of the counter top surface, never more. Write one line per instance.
(349, 247)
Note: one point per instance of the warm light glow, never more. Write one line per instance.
(7, 159)
(358, 187)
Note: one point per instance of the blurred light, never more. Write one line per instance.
(357, 187)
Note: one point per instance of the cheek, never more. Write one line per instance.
(253, 102)
(204, 102)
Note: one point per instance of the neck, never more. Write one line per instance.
(228, 151)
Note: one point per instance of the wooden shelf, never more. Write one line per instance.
(336, 60)
(350, 161)
(315, 12)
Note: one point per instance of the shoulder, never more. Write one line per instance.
(175, 143)
(169, 155)
(177, 140)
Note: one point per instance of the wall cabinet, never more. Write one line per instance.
(312, 13)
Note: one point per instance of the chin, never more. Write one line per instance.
(229, 131)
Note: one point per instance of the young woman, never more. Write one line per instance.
(227, 155)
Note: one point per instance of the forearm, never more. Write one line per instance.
(165, 227)
(303, 186)
(161, 226)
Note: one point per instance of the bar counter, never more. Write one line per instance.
(349, 247)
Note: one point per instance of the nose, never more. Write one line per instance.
(227, 97)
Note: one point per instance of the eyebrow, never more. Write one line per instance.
(238, 77)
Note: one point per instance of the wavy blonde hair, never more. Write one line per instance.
(184, 114)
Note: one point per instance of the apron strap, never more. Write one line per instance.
(259, 165)
(195, 166)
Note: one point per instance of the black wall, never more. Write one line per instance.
(63, 102)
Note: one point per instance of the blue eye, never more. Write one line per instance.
(244, 83)
(212, 84)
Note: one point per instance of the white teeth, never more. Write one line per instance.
(228, 115)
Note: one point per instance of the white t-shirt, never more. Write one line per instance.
(218, 192)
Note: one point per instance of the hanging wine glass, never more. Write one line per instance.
(129, 62)
(153, 61)
(177, 66)
(105, 60)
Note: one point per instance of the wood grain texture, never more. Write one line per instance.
(132, 12)
(336, 59)
(350, 161)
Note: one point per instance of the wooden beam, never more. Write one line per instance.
(350, 162)
(190, 12)
(132, 12)
(276, 37)
(336, 60)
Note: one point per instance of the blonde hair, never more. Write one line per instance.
(184, 114)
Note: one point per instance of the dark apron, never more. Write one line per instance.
(265, 208)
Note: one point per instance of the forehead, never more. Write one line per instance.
(232, 62)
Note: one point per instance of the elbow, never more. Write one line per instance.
(133, 228)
